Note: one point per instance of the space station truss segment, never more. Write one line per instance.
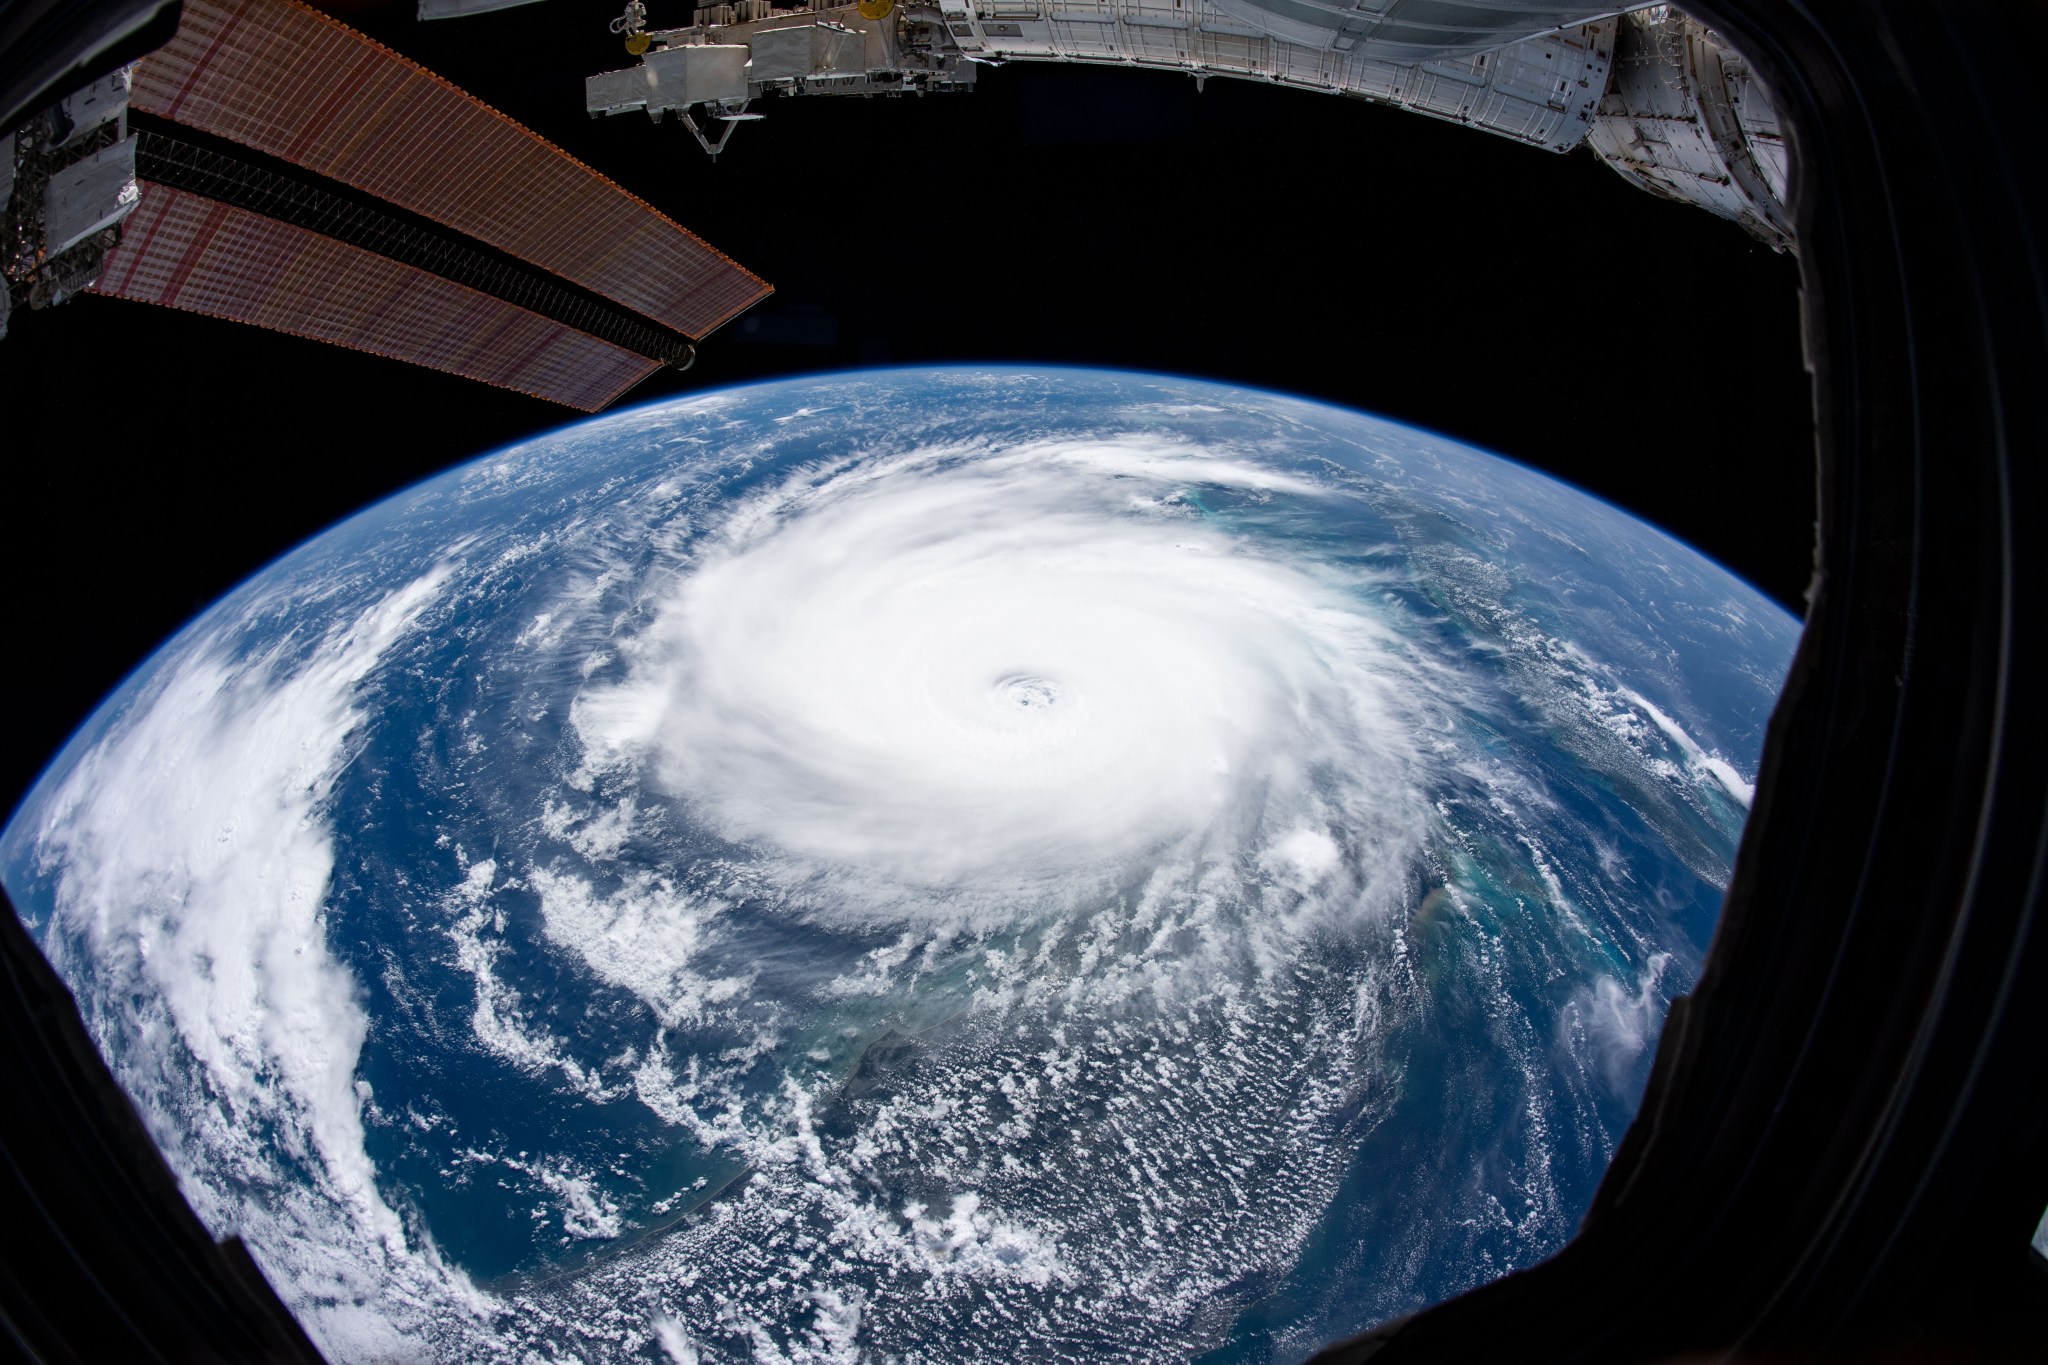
(203, 256)
(1653, 92)
(1411, 31)
(280, 77)
(1540, 90)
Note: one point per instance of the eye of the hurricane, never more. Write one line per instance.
(1026, 692)
(994, 688)
(913, 865)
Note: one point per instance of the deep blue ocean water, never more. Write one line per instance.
(938, 865)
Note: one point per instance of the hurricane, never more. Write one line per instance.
(1012, 682)
(942, 866)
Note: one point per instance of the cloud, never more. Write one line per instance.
(1004, 679)
(997, 834)
(191, 855)
(642, 937)
(1619, 1023)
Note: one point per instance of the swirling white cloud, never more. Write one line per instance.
(961, 679)
(1121, 771)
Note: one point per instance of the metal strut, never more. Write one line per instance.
(731, 120)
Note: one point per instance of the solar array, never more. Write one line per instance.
(226, 173)
(204, 256)
(291, 82)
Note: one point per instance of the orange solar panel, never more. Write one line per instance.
(207, 257)
(294, 83)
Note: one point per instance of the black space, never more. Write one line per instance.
(1532, 304)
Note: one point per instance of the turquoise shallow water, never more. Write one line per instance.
(943, 865)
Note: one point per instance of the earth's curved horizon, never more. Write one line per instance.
(946, 865)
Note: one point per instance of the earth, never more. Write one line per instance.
(936, 865)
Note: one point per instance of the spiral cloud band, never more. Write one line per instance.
(1043, 668)
(953, 866)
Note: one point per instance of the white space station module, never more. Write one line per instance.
(1652, 92)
